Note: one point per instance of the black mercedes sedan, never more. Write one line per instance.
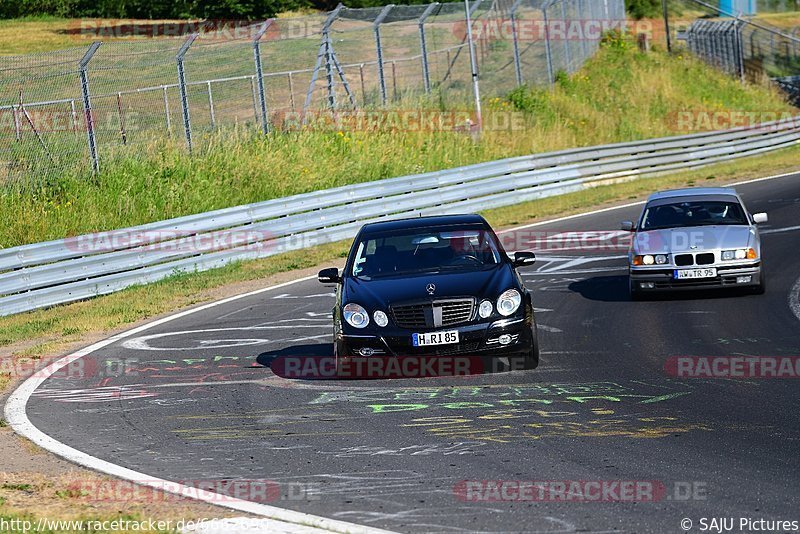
(433, 286)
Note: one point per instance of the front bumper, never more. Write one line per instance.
(479, 339)
(664, 280)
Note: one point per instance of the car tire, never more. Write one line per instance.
(635, 294)
(532, 357)
(761, 288)
(338, 360)
(529, 359)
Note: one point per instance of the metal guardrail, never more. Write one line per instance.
(66, 270)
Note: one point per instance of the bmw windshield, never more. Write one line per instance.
(424, 251)
(694, 213)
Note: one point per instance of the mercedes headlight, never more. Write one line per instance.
(485, 309)
(380, 318)
(509, 302)
(355, 315)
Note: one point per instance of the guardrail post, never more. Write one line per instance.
(187, 123)
(87, 104)
(423, 46)
(262, 98)
(547, 50)
(515, 42)
(376, 28)
(474, 65)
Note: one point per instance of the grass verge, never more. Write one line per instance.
(84, 502)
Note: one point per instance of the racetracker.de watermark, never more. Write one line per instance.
(579, 491)
(713, 120)
(402, 120)
(218, 491)
(188, 241)
(23, 120)
(733, 366)
(209, 30)
(535, 29)
(557, 240)
(375, 367)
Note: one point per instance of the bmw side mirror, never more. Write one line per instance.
(760, 218)
(627, 226)
(523, 258)
(329, 276)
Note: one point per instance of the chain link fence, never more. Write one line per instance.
(71, 110)
(746, 47)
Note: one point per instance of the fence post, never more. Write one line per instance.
(363, 85)
(329, 71)
(87, 104)
(474, 65)
(17, 126)
(166, 112)
(423, 46)
(187, 123)
(211, 113)
(567, 49)
(548, 51)
(739, 48)
(323, 49)
(74, 115)
(582, 21)
(262, 98)
(515, 41)
(122, 130)
(376, 28)
(291, 91)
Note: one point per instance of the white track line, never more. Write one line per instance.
(18, 419)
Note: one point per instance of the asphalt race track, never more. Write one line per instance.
(194, 399)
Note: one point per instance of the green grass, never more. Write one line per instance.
(620, 95)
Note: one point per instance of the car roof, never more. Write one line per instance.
(472, 220)
(694, 192)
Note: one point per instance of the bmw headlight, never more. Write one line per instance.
(509, 302)
(739, 254)
(380, 318)
(355, 315)
(662, 259)
(648, 260)
(485, 309)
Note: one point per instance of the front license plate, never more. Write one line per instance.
(691, 274)
(435, 338)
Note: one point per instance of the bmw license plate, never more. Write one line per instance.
(692, 274)
(435, 338)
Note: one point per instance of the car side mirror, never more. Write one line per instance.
(523, 258)
(329, 276)
(627, 226)
(760, 218)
